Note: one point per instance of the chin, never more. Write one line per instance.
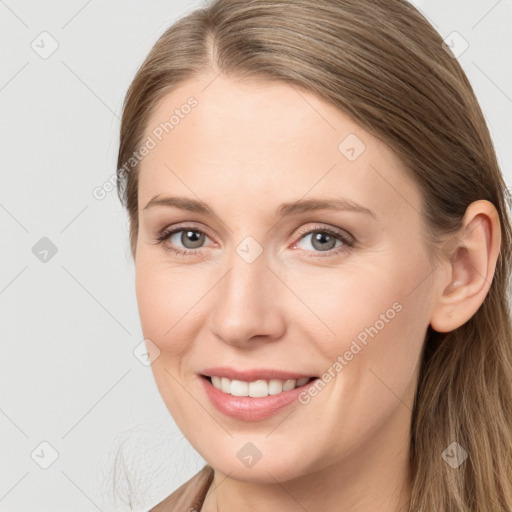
(240, 458)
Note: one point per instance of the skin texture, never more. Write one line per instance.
(244, 150)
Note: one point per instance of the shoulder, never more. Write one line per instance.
(190, 496)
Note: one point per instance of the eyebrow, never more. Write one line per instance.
(285, 209)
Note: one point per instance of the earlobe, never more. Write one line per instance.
(472, 261)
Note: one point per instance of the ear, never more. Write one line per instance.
(471, 260)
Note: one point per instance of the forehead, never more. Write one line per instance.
(266, 142)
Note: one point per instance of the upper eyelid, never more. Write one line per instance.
(343, 233)
(176, 229)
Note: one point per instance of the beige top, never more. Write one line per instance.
(190, 496)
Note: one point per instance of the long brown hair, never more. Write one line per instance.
(383, 64)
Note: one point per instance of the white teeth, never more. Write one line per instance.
(275, 387)
(225, 385)
(258, 388)
(239, 388)
(289, 385)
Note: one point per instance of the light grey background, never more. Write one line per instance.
(69, 325)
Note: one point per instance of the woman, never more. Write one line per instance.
(373, 373)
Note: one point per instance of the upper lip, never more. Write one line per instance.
(253, 374)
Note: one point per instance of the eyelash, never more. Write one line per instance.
(348, 242)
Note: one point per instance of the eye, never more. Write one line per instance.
(324, 240)
(190, 238)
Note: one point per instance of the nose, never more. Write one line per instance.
(248, 308)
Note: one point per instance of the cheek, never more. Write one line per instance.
(367, 321)
(344, 304)
(169, 302)
(152, 302)
(165, 301)
(381, 347)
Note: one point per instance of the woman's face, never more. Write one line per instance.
(268, 285)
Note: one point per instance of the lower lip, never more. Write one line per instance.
(247, 408)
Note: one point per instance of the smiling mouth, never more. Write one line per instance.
(258, 388)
